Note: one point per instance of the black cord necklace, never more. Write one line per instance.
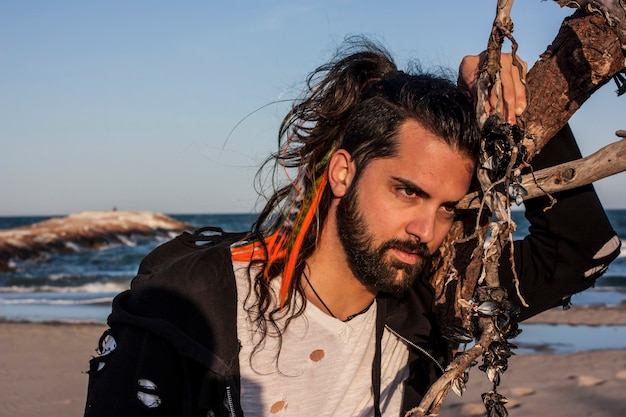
(326, 307)
(317, 295)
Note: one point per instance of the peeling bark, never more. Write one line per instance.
(586, 54)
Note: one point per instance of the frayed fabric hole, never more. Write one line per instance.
(595, 271)
(148, 399)
(608, 248)
(147, 384)
(110, 344)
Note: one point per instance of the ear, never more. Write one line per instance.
(340, 172)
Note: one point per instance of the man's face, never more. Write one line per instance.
(401, 208)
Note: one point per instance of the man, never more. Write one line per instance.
(325, 308)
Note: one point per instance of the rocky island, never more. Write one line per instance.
(91, 229)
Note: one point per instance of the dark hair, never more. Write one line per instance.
(435, 102)
(356, 102)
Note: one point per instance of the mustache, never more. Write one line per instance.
(410, 246)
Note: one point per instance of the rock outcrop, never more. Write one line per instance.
(92, 229)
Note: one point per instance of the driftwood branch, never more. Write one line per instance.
(497, 203)
(613, 11)
(489, 76)
(608, 161)
(453, 377)
(586, 54)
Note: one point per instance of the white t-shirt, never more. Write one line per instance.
(324, 368)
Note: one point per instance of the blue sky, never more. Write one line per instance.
(144, 104)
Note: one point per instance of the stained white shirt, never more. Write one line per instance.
(324, 367)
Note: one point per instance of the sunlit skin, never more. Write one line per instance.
(411, 196)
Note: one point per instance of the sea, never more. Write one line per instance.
(79, 287)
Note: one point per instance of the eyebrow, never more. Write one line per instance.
(420, 191)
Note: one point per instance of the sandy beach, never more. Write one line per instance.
(42, 368)
(42, 373)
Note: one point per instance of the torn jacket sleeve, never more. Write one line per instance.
(569, 245)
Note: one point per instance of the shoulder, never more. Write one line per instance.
(194, 271)
(183, 290)
(191, 261)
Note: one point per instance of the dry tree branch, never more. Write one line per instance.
(613, 11)
(453, 377)
(609, 160)
(488, 80)
(586, 54)
(489, 76)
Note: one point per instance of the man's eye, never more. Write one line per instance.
(450, 209)
(408, 191)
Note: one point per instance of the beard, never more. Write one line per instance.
(374, 266)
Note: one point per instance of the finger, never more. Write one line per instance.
(508, 88)
(468, 72)
(521, 100)
(468, 76)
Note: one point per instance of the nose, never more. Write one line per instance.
(422, 226)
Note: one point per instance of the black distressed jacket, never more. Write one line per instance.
(175, 332)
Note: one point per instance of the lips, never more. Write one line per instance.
(408, 252)
(410, 258)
